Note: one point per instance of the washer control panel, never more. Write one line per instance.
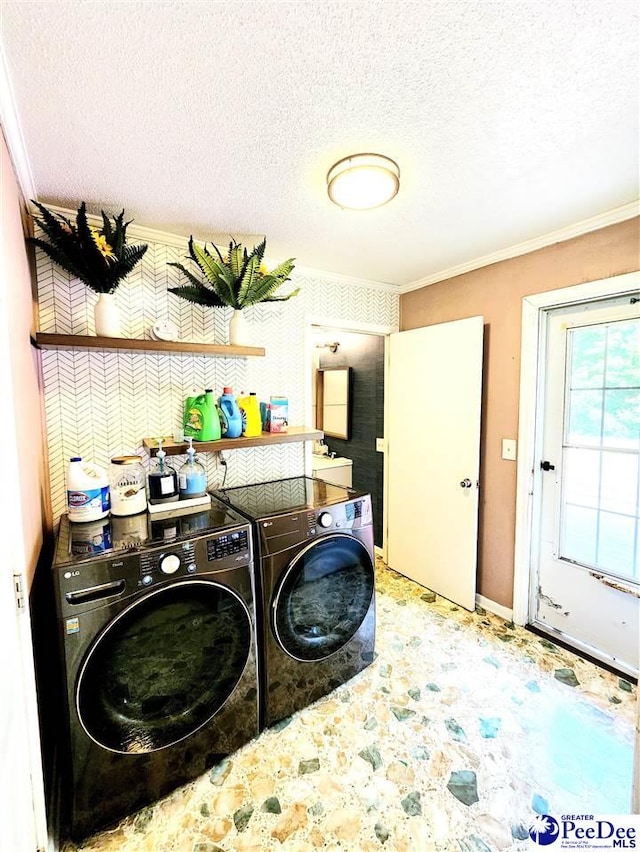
(172, 561)
(106, 579)
(214, 552)
(228, 544)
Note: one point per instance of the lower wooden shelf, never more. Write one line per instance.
(292, 435)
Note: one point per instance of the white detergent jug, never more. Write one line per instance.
(87, 491)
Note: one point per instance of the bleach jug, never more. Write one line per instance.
(88, 496)
(231, 417)
(250, 411)
(201, 420)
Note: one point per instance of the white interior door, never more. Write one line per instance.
(23, 819)
(433, 401)
(587, 586)
(18, 824)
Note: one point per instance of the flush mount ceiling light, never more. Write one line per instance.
(363, 181)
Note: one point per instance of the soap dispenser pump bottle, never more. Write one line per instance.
(163, 480)
(192, 477)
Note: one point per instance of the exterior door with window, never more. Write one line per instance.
(587, 587)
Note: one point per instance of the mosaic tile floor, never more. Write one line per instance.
(462, 729)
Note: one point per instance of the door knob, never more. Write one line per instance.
(545, 465)
(466, 483)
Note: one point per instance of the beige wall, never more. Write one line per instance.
(496, 293)
(22, 401)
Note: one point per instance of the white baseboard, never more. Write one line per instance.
(379, 551)
(495, 608)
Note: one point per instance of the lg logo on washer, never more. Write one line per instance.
(69, 574)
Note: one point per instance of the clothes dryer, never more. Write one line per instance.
(316, 572)
(158, 630)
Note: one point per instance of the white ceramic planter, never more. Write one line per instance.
(107, 316)
(239, 330)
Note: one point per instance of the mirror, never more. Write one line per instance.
(332, 401)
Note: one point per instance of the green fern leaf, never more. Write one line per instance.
(107, 231)
(264, 288)
(250, 282)
(198, 295)
(217, 275)
(258, 250)
(118, 234)
(283, 270)
(195, 281)
(282, 298)
(235, 260)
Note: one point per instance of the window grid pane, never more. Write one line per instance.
(599, 523)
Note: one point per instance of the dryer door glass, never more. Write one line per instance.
(164, 667)
(324, 597)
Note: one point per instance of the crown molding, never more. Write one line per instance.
(153, 235)
(338, 278)
(134, 231)
(13, 132)
(602, 220)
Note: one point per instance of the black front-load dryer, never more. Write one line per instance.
(316, 571)
(158, 628)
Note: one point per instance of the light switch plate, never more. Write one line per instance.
(380, 445)
(509, 449)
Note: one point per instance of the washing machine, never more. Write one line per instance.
(157, 622)
(316, 572)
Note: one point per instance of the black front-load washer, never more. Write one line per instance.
(157, 621)
(316, 572)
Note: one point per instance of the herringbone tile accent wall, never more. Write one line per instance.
(101, 403)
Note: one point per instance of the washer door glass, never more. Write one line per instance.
(164, 667)
(324, 597)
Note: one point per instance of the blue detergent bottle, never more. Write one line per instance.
(231, 416)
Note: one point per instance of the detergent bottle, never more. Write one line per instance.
(201, 421)
(250, 411)
(212, 421)
(231, 417)
(192, 477)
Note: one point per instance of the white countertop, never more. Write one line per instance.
(323, 462)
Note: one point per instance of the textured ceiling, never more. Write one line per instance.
(508, 119)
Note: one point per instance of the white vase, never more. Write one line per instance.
(239, 330)
(107, 316)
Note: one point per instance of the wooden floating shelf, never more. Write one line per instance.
(292, 435)
(44, 340)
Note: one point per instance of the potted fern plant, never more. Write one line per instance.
(238, 281)
(99, 257)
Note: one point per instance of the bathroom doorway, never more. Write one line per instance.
(331, 349)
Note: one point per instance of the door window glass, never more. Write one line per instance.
(324, 598)
(164, 668)
(600, 491)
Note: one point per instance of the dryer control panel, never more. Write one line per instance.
(283, 531)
